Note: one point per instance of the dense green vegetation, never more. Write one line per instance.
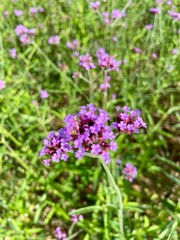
(34, 199)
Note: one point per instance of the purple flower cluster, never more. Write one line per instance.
(89, 133)
(104, 86)
(73, 44)
(54, 40)
(44, 94)
(95, 5)
(174, 15)
(24, 33)
(76, 217)
(2, 84)
(128, 121)
(106, 61)
(115, 14)
(130, 172)
(60, 235)
(35, 10)
(56, 146)
(86, 62)
(18, 13)
(13, 53)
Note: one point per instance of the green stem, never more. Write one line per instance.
(119, 196)
(90, 86)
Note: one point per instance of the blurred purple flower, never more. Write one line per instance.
(86, 62)
(130, 172)
(44, 94)
(155, 10)
(18, 13)
(2, 84)
(95, 5)
(20, 29)
(6, 14)
(174, 15)
(60, 235)
(54, 40)
(154, 56)
(174, 51)
(13, 53)
(137, 50)
(118, 161)
(149, 26)
(76, 217)
(24, 38)
(73, 44)
(105, 85)
(117, 14)
(114, 96)
(33, 10)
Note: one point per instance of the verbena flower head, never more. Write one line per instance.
(44, 94)
(33, 10)
(128, 121)
(76, 217)
(174, 15)
(73, 44)
(20, 29)
(116, 13)
(18, 13)
(155, 10)
(13, 53)
(95, 5)
(56, 146)
(149, 26)
(86, 62)
(2, 84)
(89, 132)
(54, 40)
(174, 51)
(60, 235)
(107, 61)
(130, 172)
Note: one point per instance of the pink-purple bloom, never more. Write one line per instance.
(149, 26)
(86, 61)
(154, 56)
(76, 217)
(95, 5)
(116, 13)
(13, 53)
(73, 44)
(128, 121)
(60, 235)
(2, 84)
(130, 172)
(155, 10)
(174, 51)
(106, 85)
(54, 40)
(174, 15)
(6, 14)
(107, 61)
(44, 94)
(18, 13)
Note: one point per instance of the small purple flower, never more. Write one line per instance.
(20, 29)
(60, 235)
(76, 217)
(114, 38)
(44, 94)
(54, 40)
(95, 5)
(18, 13)
(41, 9)
(128, 121)
(105, 85)
(130, 172)
(24, 38)
(86, 62)
(174, 51)
(114, 96)
(117, 14)
(2, 84)
(13, 53)
(137, 50)
(33, 10)
(149, 26)
(106, 17)
(73, 44)
(155, 10)
(154, 56)
(174, 15)
(118, 161)
(6, 14)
